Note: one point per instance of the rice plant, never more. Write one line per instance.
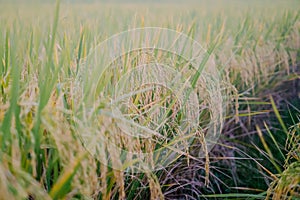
(45, 49)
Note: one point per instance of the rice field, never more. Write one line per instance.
(79, 119)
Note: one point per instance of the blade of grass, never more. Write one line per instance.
(272, 160)
(278, 115)
(7, 121)
(46, 84)
(62, 186)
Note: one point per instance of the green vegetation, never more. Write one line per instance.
(256, 47)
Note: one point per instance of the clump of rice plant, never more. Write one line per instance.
(287, 184)
(41, 50)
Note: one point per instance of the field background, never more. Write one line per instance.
(41, 46)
